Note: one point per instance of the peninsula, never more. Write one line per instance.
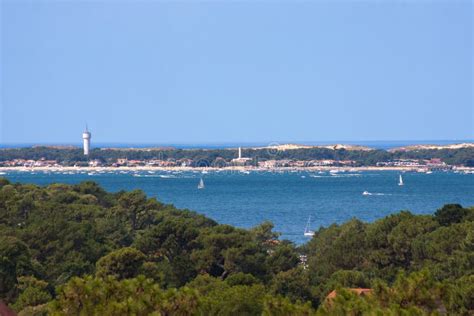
(273, 157)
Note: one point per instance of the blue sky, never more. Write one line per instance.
(236, 71)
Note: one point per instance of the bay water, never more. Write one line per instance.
(288, 198)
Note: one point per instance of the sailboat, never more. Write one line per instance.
(201, 184)
(400, 181)
(307, 231)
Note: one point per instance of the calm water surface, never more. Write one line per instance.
(288, 198)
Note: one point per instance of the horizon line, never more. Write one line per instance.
(260, 143)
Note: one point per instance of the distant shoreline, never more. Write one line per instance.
(230, 168)
(278, 157)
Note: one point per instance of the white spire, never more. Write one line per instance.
(240, 152)
(86, 137)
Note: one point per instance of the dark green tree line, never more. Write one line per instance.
(77, 249)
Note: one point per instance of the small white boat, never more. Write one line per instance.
(201, 184)
(429, 172)
(307, 231)
(400, 180)
(366, 193)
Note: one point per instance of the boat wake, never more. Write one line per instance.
(166, 176)
(370, 193)
(335, 175)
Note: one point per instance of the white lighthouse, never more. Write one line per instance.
(86, 137)
(240, 160)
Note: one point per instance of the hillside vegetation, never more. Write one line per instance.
(79, 250)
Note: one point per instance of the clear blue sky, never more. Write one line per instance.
(210, 71)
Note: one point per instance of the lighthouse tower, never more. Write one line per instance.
(86, 137)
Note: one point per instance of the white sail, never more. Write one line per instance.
(201, 184)
(307, 231)
(400, 181)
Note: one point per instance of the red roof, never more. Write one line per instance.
(358, 291)
(5, 311)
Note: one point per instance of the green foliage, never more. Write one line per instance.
(459, 295)
(123, 253)
(447, 252)
(140, 296)
(415, 294)
(264, 232)
(241, 279)
(401, 238)
(109, 296)
(236, 300)
(337, 247)
(3, 182)
(15, 261)
(233, 300)
(224, 298)
(122, 264)
(293, 284)
(381, 257)
(282, 257)
(343, 279)
(450, 214)
(282, 306)
(33, 293)
(348, 303)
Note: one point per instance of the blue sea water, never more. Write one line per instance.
(285, 198)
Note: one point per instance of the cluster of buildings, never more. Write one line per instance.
(123, 162)
(432, 164)
(305, 163)
(29, 163)
(184, 162)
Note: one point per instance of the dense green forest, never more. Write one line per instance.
(79, 250)
(214, 157)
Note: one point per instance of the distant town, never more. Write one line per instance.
(425, 164)
(421, 158)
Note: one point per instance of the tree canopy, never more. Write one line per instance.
(77, 249)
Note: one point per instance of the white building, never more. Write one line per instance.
(86, 137)
(240, 160)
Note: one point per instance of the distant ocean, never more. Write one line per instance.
(373, 144)
(285, 198)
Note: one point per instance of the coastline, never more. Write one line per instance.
(215, 169)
